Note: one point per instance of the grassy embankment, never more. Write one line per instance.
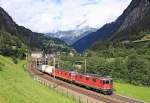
(137, 92)
(16, 86)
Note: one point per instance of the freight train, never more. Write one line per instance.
(98, 83)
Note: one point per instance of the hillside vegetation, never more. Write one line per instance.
(128, 62)
(11, 45)
(16, 86)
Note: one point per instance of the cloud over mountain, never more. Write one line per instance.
(52, 15)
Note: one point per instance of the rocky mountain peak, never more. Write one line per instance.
(135, 12)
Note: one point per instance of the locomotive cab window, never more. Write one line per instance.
(106, 82)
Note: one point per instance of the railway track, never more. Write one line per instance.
(100, 97)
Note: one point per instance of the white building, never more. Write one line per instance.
(37, 54)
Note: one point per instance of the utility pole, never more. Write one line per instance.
(26, 57)
(37, 62)
(85, 65)
(58, 63)
(26, 60)
(54, 62)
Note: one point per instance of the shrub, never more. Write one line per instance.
(14, 59)
(1, 66)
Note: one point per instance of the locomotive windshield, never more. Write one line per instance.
(107, 81)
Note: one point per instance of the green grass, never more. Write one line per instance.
(16, 86)
(137, 92)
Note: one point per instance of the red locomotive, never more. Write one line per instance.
(102, 84)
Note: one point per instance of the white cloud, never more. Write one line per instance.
(52, 15)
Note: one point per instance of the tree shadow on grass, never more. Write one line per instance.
(1, 66)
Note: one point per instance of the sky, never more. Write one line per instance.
(52, 15)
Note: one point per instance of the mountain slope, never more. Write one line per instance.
(135, 23)
(70, 37)
(102, 34)
(31, 39)
(135, 19)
